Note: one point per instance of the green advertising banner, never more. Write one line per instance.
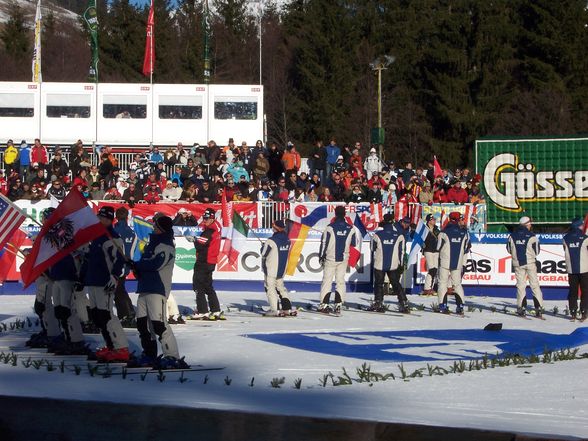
(546, 179)
(91, 19)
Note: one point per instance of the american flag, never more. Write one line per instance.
(10, 220)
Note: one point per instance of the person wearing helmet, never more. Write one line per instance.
(274, 258)
(523, 246)
(575, 244)
(207, 250)
(453, 245)
(50, 335)
(103, 266)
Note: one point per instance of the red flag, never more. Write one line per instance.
(8, 256)
(437, 171)
(149, 60)
(71, 225)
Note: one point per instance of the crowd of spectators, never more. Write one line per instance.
(203, 173)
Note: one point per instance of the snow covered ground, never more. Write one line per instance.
(550, 398)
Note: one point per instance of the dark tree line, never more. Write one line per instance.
(464, 68)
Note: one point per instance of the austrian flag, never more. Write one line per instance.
(71, 225)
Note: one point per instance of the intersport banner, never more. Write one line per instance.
(546, 179)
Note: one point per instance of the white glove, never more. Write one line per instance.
(111, 285)
(190, 239)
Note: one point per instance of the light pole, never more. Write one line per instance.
(378, 65)
(259, 23)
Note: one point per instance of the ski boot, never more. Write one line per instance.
(521, 311)
(200, 316)
(115, 356)
(144, 360)
(325, 308)
(459, 310)
(56, 343)
(539, 312)
(289, 312)
(273, 314)
(573, 315)
(129, 322)
(584, 316)
(169, 362)
(403, 308)
(171, 320)
(376, 307)
(337, 308)
(219, 315)
(443, 309)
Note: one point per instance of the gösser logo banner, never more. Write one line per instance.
(546, 179)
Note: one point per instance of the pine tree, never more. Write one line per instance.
(15, 34)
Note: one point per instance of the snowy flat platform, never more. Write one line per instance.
(539, 398)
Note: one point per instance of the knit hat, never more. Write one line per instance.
(455, 216)
(106, 212)
(524, 220)
(577, 223)
(280, 224)
(165, 224)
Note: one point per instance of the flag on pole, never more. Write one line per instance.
(143, 230)
(91, 19)
(149, 60)
(238, 242)
(10, 220)
(299, 232)
(437, 171)
(418, 241)
(8, 255)
(71, 225)
(37, 77)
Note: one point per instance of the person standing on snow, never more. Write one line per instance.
(207, 249)
(124, 305)
(388, 248)
(154, 274)
(274, 258)
(336, 241)
(50, 335)
(575, 244)
(523, 246)
(431, 255)
(453, 245)
(103, 266)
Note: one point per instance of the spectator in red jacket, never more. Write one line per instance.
(457, 194)
(152, 194)
(39, 154)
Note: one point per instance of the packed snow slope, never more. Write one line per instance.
(540, 398)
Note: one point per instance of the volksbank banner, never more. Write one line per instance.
(546, 179)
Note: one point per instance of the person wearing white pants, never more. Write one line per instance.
(154, 279)
(523, 246)
(274, 257)
(336, 242)
(453, 245)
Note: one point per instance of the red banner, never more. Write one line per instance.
(149, 61)
(247, 210)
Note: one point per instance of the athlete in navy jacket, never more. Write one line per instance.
(576, 249)
(274, 257)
